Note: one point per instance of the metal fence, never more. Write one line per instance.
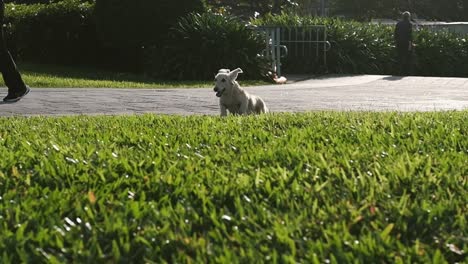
(296, 49)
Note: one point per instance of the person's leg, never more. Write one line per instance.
(10, 73)
(407, 63)
(403, 61)
(16, 87)
(400, 62)
(411, 62)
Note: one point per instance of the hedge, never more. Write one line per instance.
(61, 32)
(29, 2)
(184, 47)
(139, 22)
(363, 48)
(127, 27)
(200, 44)
(112, 33)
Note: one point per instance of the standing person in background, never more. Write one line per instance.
(16, 87)
(404, 43)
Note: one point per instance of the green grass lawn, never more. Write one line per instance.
(38, 75)
(320, 187)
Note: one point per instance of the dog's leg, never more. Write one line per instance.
(223, 110)
(244, 108)
(263, 107)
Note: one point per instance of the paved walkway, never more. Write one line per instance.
(349, 93)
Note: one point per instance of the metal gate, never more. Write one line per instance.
(304, 48)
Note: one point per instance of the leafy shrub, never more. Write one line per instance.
(442, 54)
(127, 26)
(28, 2)
(369, 48)
(138, 22)
(200, 44)
(62, 32)
(356, 47)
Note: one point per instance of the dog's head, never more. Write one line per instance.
(225, 80)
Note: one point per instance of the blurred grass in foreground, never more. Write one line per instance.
(304, 188)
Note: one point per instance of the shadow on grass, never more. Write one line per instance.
(83, 74)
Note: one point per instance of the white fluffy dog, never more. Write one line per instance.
(233, 98)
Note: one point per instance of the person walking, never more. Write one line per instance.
(17, 89)
(404, 43)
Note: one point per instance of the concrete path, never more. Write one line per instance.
(344, 93)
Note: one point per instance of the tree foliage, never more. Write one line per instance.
(31, 2)
(448, 10)
(249, 8)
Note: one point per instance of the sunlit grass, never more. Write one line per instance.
(38, 75)
(289, 188)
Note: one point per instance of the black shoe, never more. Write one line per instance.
(15, 97)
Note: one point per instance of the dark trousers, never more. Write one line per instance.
(404, 60)
(10, 73)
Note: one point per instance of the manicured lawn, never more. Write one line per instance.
(51, 76)
(321, 187)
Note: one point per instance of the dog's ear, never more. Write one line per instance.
(233, 74)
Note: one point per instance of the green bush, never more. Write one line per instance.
(62, 32)
(125, 27)
(359, 48)
(136, 35)
(441, 54)
(200, 44)
(139, 22)
(356, 47)
(29, 2)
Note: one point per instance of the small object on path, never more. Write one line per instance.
(280, 80)
(277, 80)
